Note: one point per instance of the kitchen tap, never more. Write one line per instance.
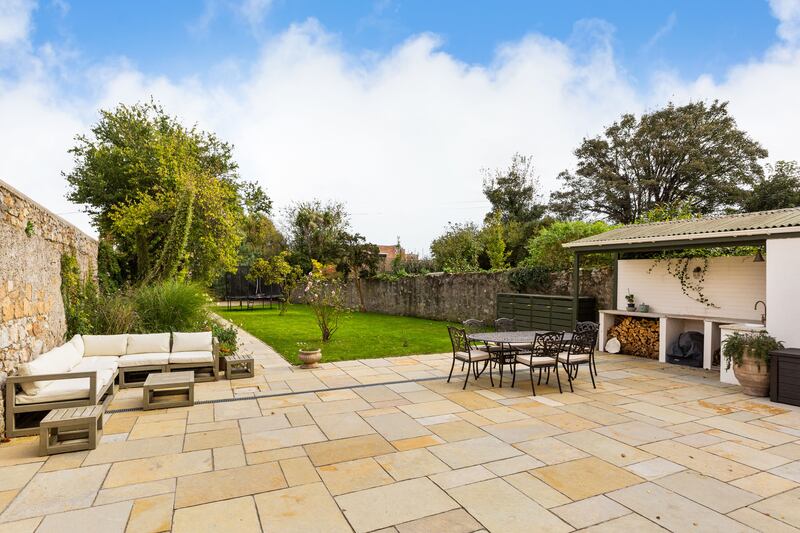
(764, 315)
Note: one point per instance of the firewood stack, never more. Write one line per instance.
(638, 336)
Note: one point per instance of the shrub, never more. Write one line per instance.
(545, 249)
(758, 345)
(324, 292)
(171, 306)
(79, 295)
(115, 314)
(530, 278)
(227, 337)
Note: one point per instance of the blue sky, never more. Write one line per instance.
(392, 107)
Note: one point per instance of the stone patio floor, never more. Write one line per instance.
(654, 447)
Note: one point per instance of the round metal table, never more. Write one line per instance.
(509, 339)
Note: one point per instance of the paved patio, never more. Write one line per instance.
(334, 450)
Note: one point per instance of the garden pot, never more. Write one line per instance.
(310, 358)
(631, 307)
(754, 381)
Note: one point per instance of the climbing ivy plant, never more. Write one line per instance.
(679, 268)
(79, 295)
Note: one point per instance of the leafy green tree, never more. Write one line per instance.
(513, 192)
(693, 152)
(779, 189)
(676, 210)
(457, 250)
(277, 270)
(545, 249)
(494, 244)
(317, 231)
(360, 260)
(166, 197)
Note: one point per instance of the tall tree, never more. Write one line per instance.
(693, 152)
(360, 260)
(165, 197)
(317, 231)
(457, 250)
(779, 189)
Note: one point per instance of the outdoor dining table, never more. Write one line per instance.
(506, 340)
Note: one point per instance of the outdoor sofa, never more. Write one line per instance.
(89, 369)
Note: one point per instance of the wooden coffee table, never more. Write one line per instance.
(239, 366)
(169, 389)
(71, 429)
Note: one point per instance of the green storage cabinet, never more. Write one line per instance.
(542, 311)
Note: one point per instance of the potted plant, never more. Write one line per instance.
(631, 299)
(748, 353)
(227, 337)
(309, 354)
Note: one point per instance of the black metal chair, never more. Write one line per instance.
(581, 327)
(473, 325)
(543, 355)
(505, 324)
(464, 352)
(580, 352)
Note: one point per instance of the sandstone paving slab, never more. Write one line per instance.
(699, 440)
(16, 477)
(665, 414)
(207, 487)
(512, 465)
(212, 426)
(630, 522)
(298, 471)
(474, 451)
(462, 476)
(764, 484)
(456, 521)
(337, 451)
(457, 430)
(306, 508)
(377, 393)
(205, 440)
(343, 425)
(472, 400)
(590, 511)
(397, 426)
(63, 461)
(229, 457)
(702, 461)
(550, 451)
(162, 428)
(789, 471)
(238, 514)
(150, 514)
(236, 410)
(135, 491)
(397, 503)
(441, 419)
(500, 507)
(750, 431)
(501, 414)
(673, 511)
(265, 423)
(594, 412)
(605, 448)
(759, 459)
(274, 455)
(282, 438)
(790, 419)
(22, 526)
(135, 449)
(569, 422)
(352, 476)
(636, 433)
(56, 492)
(760, 521)
(6, 497)
(422, 410)
(101, 519)
(411, 464)
(655, 468)
(336, 407)
(156, 468)
(417, 442)
(583, 478)
(537, 490)
(422, 396)
(708, 491)
(522, 430)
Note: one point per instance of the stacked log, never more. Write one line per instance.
(637, 336)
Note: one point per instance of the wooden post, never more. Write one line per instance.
(576, 287)
(615, 280)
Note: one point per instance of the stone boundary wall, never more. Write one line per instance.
(456, 297)
(32, 240)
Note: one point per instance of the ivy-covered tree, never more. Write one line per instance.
(167, 198)
(693, 152)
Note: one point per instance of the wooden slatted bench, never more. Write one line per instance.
(71, 429)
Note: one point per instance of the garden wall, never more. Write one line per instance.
(32, 240)
(456, 297)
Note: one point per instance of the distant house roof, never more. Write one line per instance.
(740, 229)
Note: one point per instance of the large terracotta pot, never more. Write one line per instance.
(754, 380)
(310, 358)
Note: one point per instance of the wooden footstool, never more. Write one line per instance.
(240, 366)
(71, 430)
(169, 389)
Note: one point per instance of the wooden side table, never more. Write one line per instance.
(169, 389)
(240, 366)
(70, 430)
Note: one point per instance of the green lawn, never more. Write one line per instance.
(360, 335)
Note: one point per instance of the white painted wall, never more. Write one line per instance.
(783, 290)
(734, 284)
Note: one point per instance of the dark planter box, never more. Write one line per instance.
(784, 376)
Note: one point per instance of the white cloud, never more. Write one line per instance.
(15, 20)
(663, 31)
(788, 13)
(400, 137)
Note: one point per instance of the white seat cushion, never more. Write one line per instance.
(143, 359)
(536, 361)
(575, 358)
(104, 345)
(148, 343)
(191, 357)
(66, 389)
(192, 342)
(90, 364)
(472, 356)
(77, 342)
(57, 361)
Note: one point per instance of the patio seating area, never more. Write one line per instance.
(388, 444)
